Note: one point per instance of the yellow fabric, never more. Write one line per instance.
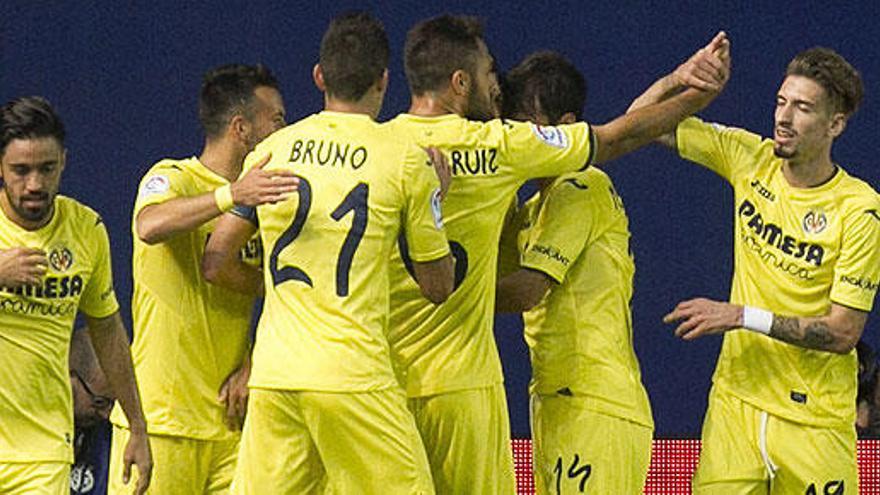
(796, 251)
(580, 335)
(578, 450)
(180, 465)
(461, 462)
(364, 443)
(189, 335)
(35, 399)
(327, 250)
(35, 478)
(447, 347)
(802, 457)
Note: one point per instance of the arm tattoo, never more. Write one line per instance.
(816, 335)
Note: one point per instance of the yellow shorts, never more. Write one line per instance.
(577, 450)
(180, 465)
(467, 436)
(298, 442)
(35, 478)
(748, 451)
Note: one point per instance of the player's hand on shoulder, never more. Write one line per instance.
(441, 168)
(259, 186)
(20, 266)
(709, 68)
(703, 316)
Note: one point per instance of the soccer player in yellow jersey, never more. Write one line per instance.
(191, 338)
(590, 416)
(324, 398)
(445, 355)
(807, 266)
(64, 254)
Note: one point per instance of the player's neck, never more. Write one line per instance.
(366, 106)
(809, 173)
(432, 104)
(223, 158)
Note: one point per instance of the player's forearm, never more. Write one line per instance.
(822, 333)
(158, 223)
(111, 346)
(224, 268)
(641, 126)
(661, 90)
(520, 291)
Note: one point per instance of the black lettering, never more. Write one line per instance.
(815, 254)
(310, 144)
(51, 287)
(341, 155)
(834, 488)
(76, 286)
(746, 209)
(318, 153)
(295, 151)
(492, 166)
(457, 167)
(65, 287)
(771, 233)
(787, 245)
(757, 224)
(358, 157)
(467, 164)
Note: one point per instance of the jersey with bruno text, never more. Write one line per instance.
(328, 247)
(796, 251)
(448, 347)
(189, 335)
(580, 335)
(36, 409)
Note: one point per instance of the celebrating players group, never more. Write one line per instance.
(383, 251)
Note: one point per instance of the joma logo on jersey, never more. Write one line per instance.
(815, 222)
(474, 162)
(328, 154)
(773, 235)
(763, 191)
(52, 288)
(60, 259)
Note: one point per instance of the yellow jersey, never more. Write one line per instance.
(328, 248)
(448, 347)
(580, 335)
(189, 335)
(796, 251)
(35, 398)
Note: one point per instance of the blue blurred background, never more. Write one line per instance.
(125, 78)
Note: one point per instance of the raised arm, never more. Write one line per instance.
(110, 342)
(159, 222)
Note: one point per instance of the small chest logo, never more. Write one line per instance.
(815, 222)
(61, 259)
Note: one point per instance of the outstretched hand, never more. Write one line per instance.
(709, 68)
(703, 316)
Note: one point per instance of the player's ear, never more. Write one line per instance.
(460, 82)
(838, 124)
(318, 77)
(239, 127)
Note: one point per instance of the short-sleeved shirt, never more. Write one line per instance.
(450, 346)
(796, 251)
(580, 335)
(328, 248)
(189, 335)
(36, 408)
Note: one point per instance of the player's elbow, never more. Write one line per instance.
(436, 278)
(148, 233)
(212, 267)
(844, 343)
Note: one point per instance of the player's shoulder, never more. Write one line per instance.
(171, 165)
(697, 127)
(81, 215)
(856, 193)
(582, 183)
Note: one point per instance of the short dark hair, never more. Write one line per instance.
(229, 90)
(439, 46)
(29, 117)
(829, 69)
(544, 82)
(354, 55)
